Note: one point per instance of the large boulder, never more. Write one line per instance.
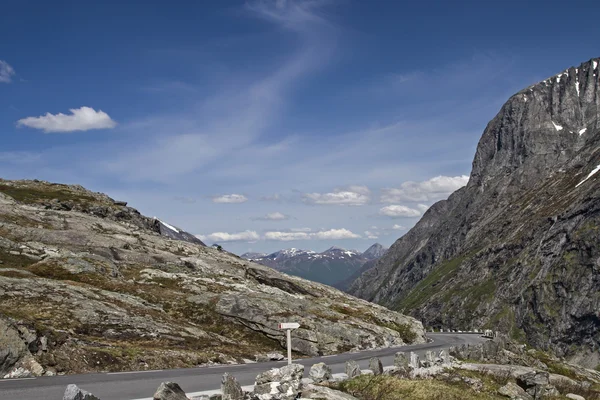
(279, 383)
(514, 392)
(169, 391)
(322, 392)
(537, 384)
(352, 369)
(320, 372)
(75, 393)
(230, 388)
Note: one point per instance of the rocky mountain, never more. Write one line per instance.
(518, 248)
(330, 267)
(89, 284)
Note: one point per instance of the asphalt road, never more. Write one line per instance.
(143, 384)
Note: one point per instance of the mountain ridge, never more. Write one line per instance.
(515, 248)
(331, 267)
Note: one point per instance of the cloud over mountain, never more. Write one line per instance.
(436, 188)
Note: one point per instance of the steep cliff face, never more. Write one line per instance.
(518, 248)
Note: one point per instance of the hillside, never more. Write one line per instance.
(89, 284)
(517, 249)
(331, 267)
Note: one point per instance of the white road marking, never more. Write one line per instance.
(15, 379)
(133, 372)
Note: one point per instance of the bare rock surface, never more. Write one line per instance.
(169, 391)
(89, 284)
(75, 393)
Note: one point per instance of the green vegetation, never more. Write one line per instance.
(384, 387)
(36, 193)
(426, 287)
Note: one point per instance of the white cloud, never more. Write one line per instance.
(274, 216)
(349, 196)
(372, 235)
(80, 119)
(331, 234)
(246, 236)
(287, 236)
(230, 199)
(399, 211)
(397, 227)
(436, 188)
(301, 229)
(6, 72)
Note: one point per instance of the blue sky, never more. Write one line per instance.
(270, 124)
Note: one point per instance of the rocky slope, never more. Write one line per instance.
(330, 267)
(517, 249)
(87, 283)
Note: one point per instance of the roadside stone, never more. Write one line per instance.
(230, 388)
(400, 360)
(376, 366)
(414, 360)
(275, 356)
(74, 393)
(169, 391)
(279, 383)
(352, 369)
(573, 396)
(320, 372)
(429, 358)
(322, 392)
(514, 391)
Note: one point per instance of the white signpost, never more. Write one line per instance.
(288, 326)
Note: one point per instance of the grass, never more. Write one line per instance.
(34, 194)
(385, 387)
(427, 286)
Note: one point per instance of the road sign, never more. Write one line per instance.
(289, 325)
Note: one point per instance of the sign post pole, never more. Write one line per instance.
(288, 326)
(289, 345)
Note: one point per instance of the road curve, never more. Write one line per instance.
(143, 384)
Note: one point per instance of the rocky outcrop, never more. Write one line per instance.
(279, 383)
(230, 388)
(515, 250)
(81, 292)
(320, 372)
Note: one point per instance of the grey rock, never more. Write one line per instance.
(537, 384)
(415, 361)
(514, 391)
(12, 347)
(376, 366)
(75, 393)
(288, 373)
(322, 392)
(574, 396)
(400, 360)
(352, 369)
(320, 372)
(275, 356)
(169, 391)
(230, 388)
(506, 248)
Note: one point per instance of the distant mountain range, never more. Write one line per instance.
(333, 267)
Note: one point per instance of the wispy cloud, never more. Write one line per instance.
(330, 234)
(80, 119)
(274, 216)
(349, 196)
(436, 188)
(6, 72)
(230, 199)
(246, 236)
